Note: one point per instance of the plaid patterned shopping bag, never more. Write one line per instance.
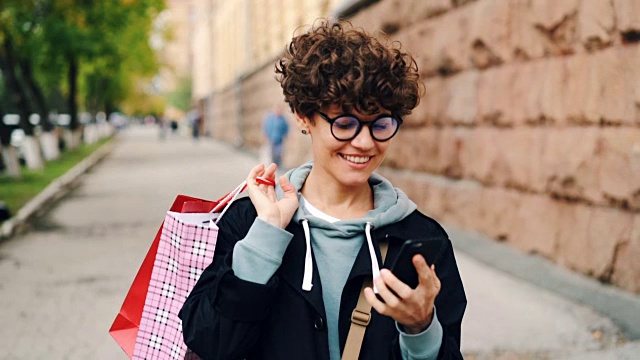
(186, 248)
(147, 326)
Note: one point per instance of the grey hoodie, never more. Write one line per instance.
(335, 246)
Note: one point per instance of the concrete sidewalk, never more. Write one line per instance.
(62, 283)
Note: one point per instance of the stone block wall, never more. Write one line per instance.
(529, 131)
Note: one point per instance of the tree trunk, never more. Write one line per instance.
(36, 94)
(109, 107)
(17, 94)
(73, 91)
(74, 133)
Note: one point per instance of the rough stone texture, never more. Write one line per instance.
(607, 229)
(396, 14)
(489, 32)
(556, 21)
(498, 212)
(435, 101)
(461, 204)
(627, 14)
(449, 49)
(626, 273)
(519, 152)
(527, 90)
(425, 9)
(582, 90)
(451, 142)
(374, 17)
(526, 41)
(535, 225)
(417, 40)
(412, 144)
(505, 157)
(573, 234)
(599, 231)
(571, 164)
(462, 91)
(496, 98)
(616, 105)
(620, 166)
(630, 55)
(553, 92)
(596, 24)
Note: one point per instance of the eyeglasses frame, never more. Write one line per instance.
(361, 124)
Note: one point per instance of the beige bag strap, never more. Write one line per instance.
(360, 317)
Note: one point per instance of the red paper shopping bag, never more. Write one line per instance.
(147, 326)
(126, 324)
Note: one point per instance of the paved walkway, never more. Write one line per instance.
(62, 283)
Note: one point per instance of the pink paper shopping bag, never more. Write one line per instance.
(187, 244)
(186, 248)
(148, 326)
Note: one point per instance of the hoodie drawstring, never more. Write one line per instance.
(375, 268)
(308, 261)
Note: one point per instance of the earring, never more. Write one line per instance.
(304, 132)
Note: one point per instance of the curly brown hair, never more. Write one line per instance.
(337, 64)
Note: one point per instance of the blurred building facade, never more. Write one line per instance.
(232, 39)
(175, 53)
(529, 131)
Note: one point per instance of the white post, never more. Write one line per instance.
(10, 159)
(31, 151)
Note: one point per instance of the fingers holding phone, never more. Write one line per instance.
(427, 277)
(412, 308)
(407, 292)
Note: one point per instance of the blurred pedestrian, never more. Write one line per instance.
(275, 129)
(174, 126)
(288, 271)
(195, 120)
(162, 128)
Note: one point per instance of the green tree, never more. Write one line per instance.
(94, 52)
(180, 98)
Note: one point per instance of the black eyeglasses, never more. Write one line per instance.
(346, 127)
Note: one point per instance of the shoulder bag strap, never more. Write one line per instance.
(360, 317)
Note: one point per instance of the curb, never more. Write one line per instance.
(58, 188)
(622, 307)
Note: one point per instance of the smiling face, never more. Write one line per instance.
(349, 164)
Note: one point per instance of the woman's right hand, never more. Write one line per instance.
(269, 208)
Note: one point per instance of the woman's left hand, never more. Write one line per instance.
(412, 308)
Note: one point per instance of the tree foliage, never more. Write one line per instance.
(180, 98)
(94, 53)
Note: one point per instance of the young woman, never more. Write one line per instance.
(288, 270)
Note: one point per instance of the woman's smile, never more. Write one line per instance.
(356, 159)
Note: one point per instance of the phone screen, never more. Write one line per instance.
(430, 248)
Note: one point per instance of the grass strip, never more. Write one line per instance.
(16, 192)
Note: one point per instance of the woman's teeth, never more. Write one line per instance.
(357, 159)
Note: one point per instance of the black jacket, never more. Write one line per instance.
(225, 317)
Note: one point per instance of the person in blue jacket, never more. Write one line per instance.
(275, 129)
(289, 266)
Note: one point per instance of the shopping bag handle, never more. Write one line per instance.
(233, 195)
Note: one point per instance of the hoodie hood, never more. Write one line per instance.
(390, 206)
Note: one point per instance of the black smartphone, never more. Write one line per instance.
(430, 248)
